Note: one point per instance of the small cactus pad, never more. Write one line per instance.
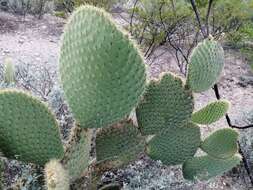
(56, 176)
(206, 64)
(176, 145)
(102, 72)
(206, 167)
(28, 130)
(121, 141)
(9, 71)
(221, 144)
(166, 104)
(211, 113)
(77, 155)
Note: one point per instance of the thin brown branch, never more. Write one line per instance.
(207, 16)
(194, 7)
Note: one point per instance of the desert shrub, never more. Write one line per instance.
(69, 5)
(173, 24)
(36, 7)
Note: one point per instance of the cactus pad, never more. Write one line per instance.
(176, 145)
(28, 130)
(211, 113)
(166, 104)
(206, 167)
(56, 176)
(221, 144)
(102, 72)
(121, 141)
(206, 64)
(77, 155)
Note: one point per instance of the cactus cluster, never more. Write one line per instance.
(103, 77)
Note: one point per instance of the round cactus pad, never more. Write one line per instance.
(166, 104)
(28, 130)
(206, 167)
(221, 144)
(176, 145)
(121, 141)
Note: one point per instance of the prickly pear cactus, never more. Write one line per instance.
(221, 144)
(56, 176)
(211, 113)
(206, 64)
(121, 141)
(206, 167)
(28, 130)
(166, 104)
(176, 145)
(101, 70)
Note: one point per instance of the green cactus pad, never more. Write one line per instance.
(176, 145)
(102, 72)
(206, 167)
(28, 130)
(206, 64)
(121, 141)
(211, 113)
(221, 144)
(166, 104)
(77, 155)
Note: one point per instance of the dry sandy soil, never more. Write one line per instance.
(37, 42)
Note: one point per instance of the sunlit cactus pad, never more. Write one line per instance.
(206, 167)
(206, 64)
(28, 130)
(121, 141)
(166, 104)
(221, 144)
(176, 145)
(211, 113)
(102, 72)
(77, 155)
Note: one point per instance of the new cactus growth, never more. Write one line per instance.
(176, 145)
(102, 72)
(166, 104)
(221, 144)
(56, 176)
(206, 64)
(211, 113)
(28, 130)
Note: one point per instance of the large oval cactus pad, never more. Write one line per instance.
(102, 72)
